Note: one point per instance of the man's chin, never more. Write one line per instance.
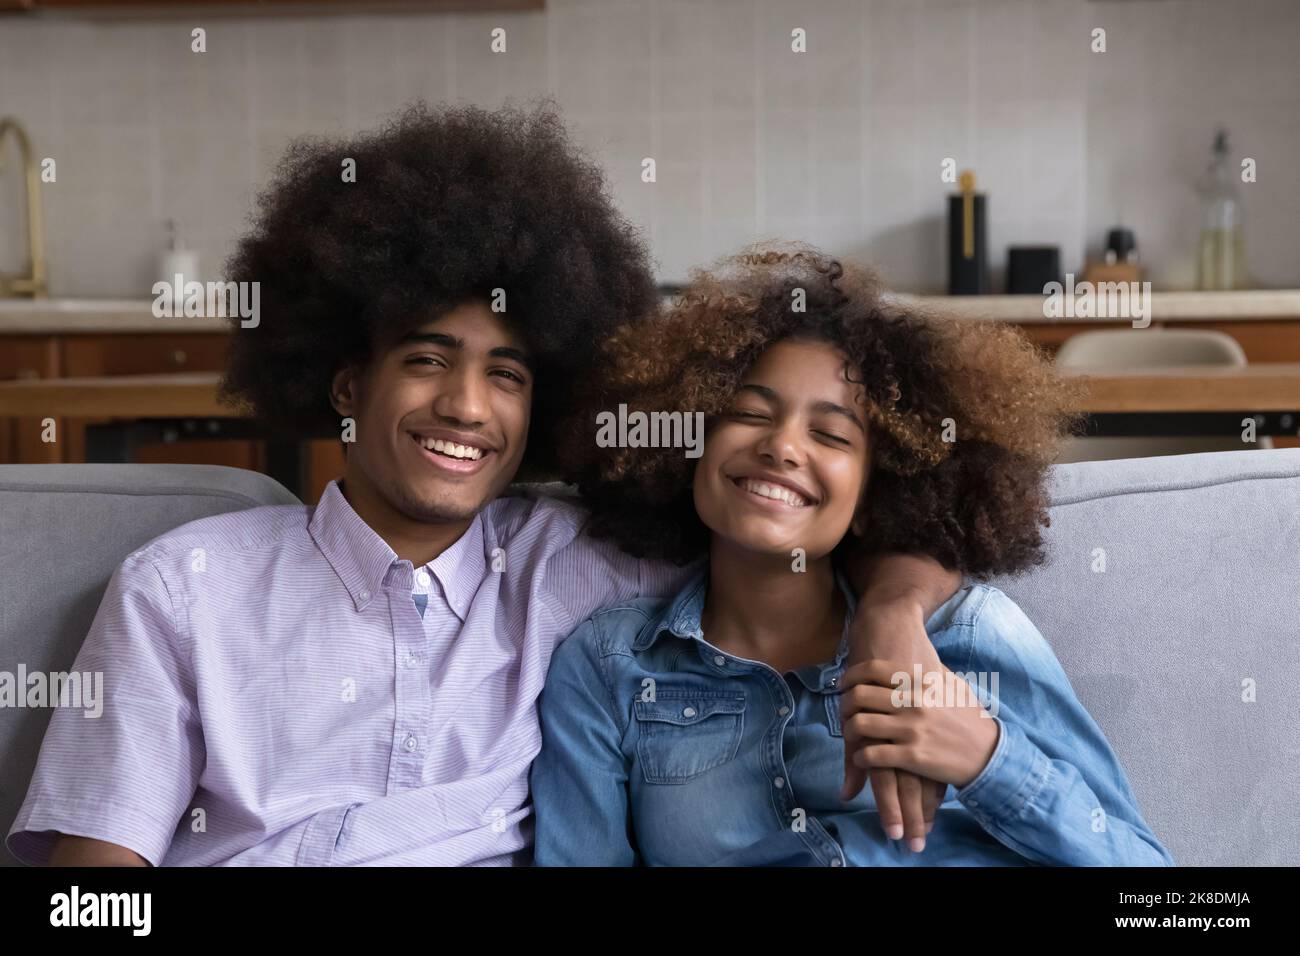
(440, 509)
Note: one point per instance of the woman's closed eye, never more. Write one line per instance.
(832, 437)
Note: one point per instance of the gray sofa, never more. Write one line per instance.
(1199, 597)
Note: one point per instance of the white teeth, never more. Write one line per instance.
(451, 449)
(776, 492)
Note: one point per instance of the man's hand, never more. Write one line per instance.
(83, 851)
(897, 594)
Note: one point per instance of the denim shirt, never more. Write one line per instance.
(660, 749)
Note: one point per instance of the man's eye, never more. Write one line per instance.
(744, 413)
(513, 376)
(423, 360)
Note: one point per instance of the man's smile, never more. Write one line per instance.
(465, 457)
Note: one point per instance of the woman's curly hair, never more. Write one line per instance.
(447, 205)
(964, 417)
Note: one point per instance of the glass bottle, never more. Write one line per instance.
(1221, 264)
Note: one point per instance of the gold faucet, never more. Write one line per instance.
(32, 284)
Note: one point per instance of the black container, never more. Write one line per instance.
(968, 267)
(1030, 268)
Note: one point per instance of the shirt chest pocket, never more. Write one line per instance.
(684, 733)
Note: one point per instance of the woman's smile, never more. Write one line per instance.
(770, 493)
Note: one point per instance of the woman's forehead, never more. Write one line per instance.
(805, 369)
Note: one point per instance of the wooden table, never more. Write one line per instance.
(171, 395)
(1154, 401)
(1207, 388)
(1264, 387)
(1270, 387)
(151, 408)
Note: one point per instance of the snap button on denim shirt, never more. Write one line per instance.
(661, 749)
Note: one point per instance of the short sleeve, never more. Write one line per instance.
(589, 574)
(123, 769)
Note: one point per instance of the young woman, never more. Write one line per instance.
(710, 729)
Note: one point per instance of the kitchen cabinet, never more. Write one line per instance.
(93, 355)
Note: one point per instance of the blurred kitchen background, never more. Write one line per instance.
(841, 145)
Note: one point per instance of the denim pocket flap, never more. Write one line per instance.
(688, 708)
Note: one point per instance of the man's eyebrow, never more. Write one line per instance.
(823, 406)
(452, 342)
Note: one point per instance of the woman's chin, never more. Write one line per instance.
(768, 546)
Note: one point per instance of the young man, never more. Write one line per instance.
(357, 682)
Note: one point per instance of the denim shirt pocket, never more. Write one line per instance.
(683, 733)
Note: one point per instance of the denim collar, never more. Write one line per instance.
(681, 618)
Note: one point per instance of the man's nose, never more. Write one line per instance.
(463, 396)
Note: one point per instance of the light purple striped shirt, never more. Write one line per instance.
(273, 695)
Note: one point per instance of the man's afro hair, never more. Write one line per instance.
(447, 205)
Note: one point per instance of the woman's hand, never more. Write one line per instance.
(938, 730)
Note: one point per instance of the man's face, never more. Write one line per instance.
(442, 417)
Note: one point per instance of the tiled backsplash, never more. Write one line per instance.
(840, 145)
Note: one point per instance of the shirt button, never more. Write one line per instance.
(836, 862)
(973, 803)
(719, 660)
(410, 742)
(422, 579)
(780, 782)
(783, 711)
(834, 681)
(688, 712)
(364, 595)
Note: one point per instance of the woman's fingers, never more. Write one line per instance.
(884, 786)
(909, 794)
(932, 792)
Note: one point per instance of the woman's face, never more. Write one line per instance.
(786, 465)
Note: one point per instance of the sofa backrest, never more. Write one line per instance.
(64, 529)
(1186, 647)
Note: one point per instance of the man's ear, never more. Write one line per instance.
(343, 391)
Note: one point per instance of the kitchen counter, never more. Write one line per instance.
(92, 316)
(1252, 305)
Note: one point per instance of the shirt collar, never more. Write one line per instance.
(362, 559)
(682, 619)
(460, 568)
